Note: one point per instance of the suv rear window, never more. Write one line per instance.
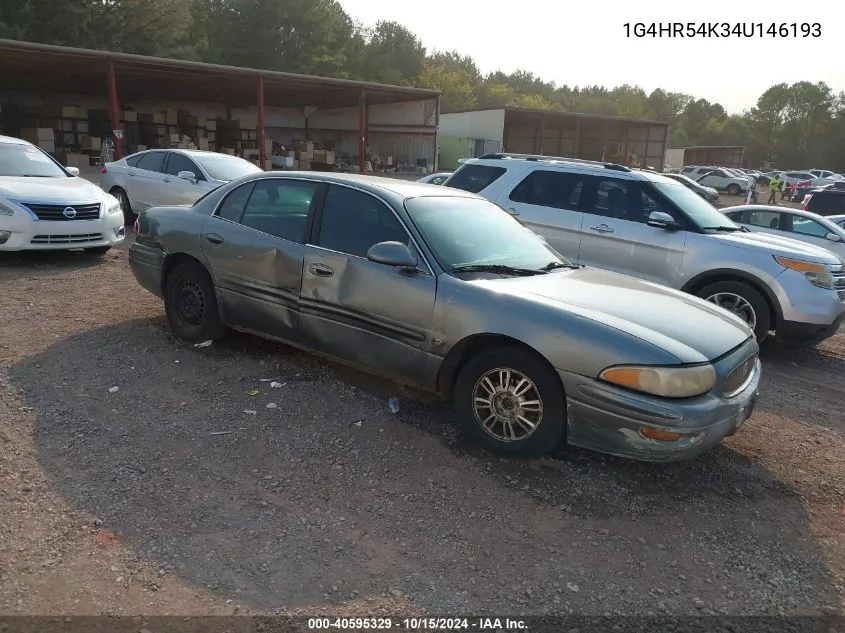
(827, 203)
(474, 178)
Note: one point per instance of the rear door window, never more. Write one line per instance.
(152, 161)
(554, 189)
(475, 178)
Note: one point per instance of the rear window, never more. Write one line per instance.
(474, 178)
(827, 203)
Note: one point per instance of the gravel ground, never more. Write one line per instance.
(167, 496)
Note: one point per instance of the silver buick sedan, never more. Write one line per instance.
(441, 290)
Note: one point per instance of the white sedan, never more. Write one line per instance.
(45, 206)
(436, 179)
(169, 177)
(793, 223)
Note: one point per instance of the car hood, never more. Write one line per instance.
(61, 190)
(778, 245)
(691, 329)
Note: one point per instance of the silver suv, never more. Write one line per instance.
(645, 225)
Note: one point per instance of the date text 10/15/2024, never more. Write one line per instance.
(722, 29)
(418, 624)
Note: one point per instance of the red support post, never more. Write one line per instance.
(262, 155)
(114, 110)
(362, 132)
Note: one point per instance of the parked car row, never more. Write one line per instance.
(551, 301)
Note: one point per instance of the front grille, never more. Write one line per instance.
(839, 284)
(82, 238)
(56, 212)
(738, 379)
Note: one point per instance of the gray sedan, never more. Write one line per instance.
(441, 290)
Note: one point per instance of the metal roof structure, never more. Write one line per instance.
(517, 112)
(48, 69)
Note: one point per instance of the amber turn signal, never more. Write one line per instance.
(659, 434)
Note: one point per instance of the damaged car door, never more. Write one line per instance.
(254, 244)
(363, 312)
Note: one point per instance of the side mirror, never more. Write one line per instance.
(73, 171)
(833, 237)
(661, 220)
(187, 175)
(393, 254)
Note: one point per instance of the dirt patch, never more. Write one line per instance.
(167, 497)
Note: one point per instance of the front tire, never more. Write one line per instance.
(128, 214)
(511, 403)
(744, 301)
(191, 304)
(733, 189)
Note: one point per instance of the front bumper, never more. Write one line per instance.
(808, 313)
(28, 234)
(609, 419)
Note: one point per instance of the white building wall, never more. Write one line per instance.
(488, 125)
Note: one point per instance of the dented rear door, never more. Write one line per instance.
(253, 246)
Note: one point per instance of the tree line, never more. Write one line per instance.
(798, 125)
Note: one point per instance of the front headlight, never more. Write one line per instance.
(112, 204)
(668, 382)
(818, 274)
(6, 210)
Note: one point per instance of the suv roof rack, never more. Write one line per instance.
(539, 157)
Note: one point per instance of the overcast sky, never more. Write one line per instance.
(584, 43)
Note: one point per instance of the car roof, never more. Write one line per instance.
(561, 163)
(374, 184)
(11, 140)
(768, 207)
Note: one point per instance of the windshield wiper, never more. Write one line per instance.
(729, 229)
(496, 268)
(555, 265)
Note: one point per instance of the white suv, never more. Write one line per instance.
(720, 178)
(645, 225)
(46, 206)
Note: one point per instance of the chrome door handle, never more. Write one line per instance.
(214, 238)
(601, 228)
(321, 270)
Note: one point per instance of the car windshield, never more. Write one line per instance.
(471, 232)
(226, 168)
(27, 161)
(701, 212)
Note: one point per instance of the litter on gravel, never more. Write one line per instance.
(221, 432)
(250, 412)
(114, 389)
(277, 385)
(203, 344)
(253, 392)
(272, 405)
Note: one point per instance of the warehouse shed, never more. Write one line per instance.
(632, 142)
(70, 101)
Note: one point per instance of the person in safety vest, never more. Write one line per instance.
(774, 184)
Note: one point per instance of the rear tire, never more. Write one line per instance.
(190, 303)
(733, 189)
(744, 301)
(510, 390)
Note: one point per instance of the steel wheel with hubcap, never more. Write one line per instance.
(511, 402)
(191, 304)
(744, 301)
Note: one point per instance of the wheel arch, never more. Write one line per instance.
(466, 348)
(729, 274)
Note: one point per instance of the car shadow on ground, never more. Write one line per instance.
(314, 493)
(55, 262)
